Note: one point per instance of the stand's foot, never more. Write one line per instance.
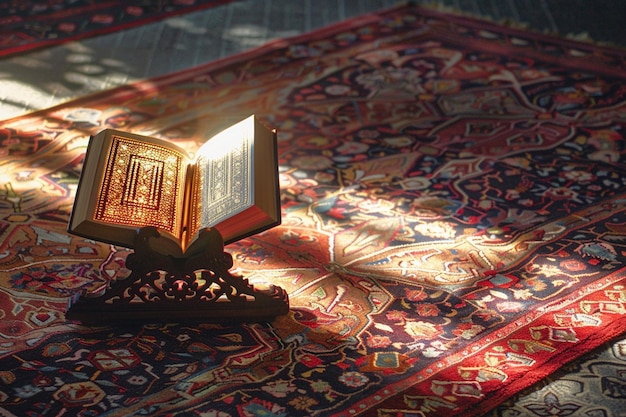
(268, 305)
(198, 287)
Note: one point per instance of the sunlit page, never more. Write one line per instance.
(225, 168)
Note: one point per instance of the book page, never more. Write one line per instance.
(142, 186)
(225, 167)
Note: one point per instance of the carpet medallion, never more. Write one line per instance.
(453, 228)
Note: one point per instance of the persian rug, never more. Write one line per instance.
(32, 24)
(453, 228)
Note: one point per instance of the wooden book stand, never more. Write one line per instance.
(162, 288)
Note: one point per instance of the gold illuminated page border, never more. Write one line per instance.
(142, 186)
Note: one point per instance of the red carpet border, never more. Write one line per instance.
(33, 24)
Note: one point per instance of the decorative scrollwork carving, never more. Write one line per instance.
(198, 285)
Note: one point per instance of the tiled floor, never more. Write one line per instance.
(44, 78)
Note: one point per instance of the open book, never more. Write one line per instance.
(131, 181)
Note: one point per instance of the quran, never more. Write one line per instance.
(130, 181)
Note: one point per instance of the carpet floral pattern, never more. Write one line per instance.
(453, 228)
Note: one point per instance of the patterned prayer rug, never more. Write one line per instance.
(453, 228)
(31, 24)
